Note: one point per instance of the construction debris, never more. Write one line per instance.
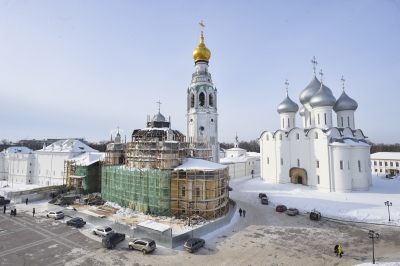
(94, 199)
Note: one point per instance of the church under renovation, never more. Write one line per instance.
(319, 155)
(165, 172)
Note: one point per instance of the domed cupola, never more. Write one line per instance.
(201, 53)
(159, 117)
(287, 106)
(345, 108)
(302, 111)
(310, 91)
(287, 110)
(323, 97)
(345, 103)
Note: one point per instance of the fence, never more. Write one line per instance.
(162, 239)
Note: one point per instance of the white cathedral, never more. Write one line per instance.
(319, 155)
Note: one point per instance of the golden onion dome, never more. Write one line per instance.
(201, 52)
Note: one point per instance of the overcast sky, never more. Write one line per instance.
(83, 68)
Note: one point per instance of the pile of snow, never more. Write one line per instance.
(112, 204)
(126, 212)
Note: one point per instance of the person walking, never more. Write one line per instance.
(26, 201)
(5, 208)
(336, 250)
(240, 211)
(15, 211)
(33, 212)
(244, 213)
(12, 212)
(340, 251)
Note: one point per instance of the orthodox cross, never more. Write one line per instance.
(202, 25)
(118, 129)
(321, 74)
(287, 87)
(343, 80)
(315, 63)
(159, 103)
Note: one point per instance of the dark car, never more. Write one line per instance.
(230, 189)
(112, 239)
(77, 222)
(260, 195)
(315, 215)
(4, 201)
(264, 200)
(194, 244)
(281, 208)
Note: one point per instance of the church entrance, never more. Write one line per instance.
(298, 176)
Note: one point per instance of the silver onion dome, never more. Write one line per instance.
(302, 111)
(345, 103)
(287, 106)
(323, 97)
(310, 90)
(159, 117)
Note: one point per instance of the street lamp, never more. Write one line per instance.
(387, 203)
(373, 235)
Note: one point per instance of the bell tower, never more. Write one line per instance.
(202, 115)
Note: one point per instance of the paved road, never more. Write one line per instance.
(263, 237)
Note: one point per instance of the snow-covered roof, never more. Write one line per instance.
(236, 149)
(68, 145)
(233, 160)
(253, 154)
(385, 156)
(194, 164)
(88, 158)
(348, 142)
(155, 226)
(19, 150)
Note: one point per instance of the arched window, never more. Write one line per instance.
(267, 137)
(317, 163)
(210, 100)
(297, 136)
(318, 120)
(281, 161)
(202, 99)
(288, 123)
(341, 165)
(325, 118)
(267, 160)
(280, 136)
(348, 121)
(342, 120)
(316, 135)
(192, 101)
(283, 123)
(298, 163)
(318, 179)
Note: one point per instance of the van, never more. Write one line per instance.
(112, 239)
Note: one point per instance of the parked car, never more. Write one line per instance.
(281, 208)
(260, 195)
(55, 214)
(264, 200)
(4, 201)
(292, 211)
(315, 215)
(102, 230)
(77, 222)
(145, 244)
(194, 244)
(230, 189)
(111, 240)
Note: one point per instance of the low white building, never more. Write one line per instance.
(318, 155)
(387, 163)
(240, 162)
(17, 165)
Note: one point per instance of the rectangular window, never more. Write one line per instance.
(341, 165)
(281, 161)
(380, 170)
(374, 162)
(348, 165)
(391, 163)
(397, 164)
(376, 170)
(267, 160)
(318, 120)
(280, 136)
(297, 136)
(385, 163)
(267, 137)
(348, 121)
(318, 179)
(165, 192)
(342, 120)
(325, 118)
(183, 191)
(288, 123)
(359, 166)
(380, 163)
(317, 164)
(198, 192)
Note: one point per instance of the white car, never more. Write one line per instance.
(102, 230)
(55, 214)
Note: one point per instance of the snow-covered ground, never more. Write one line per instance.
(359, 206)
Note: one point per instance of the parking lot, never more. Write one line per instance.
(263, 237)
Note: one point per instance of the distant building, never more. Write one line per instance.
(387, 163)
(17, 165)
(240, 162)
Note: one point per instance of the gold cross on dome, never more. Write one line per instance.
(201, 25)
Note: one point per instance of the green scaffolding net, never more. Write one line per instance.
(91, 177)
(140, 190)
